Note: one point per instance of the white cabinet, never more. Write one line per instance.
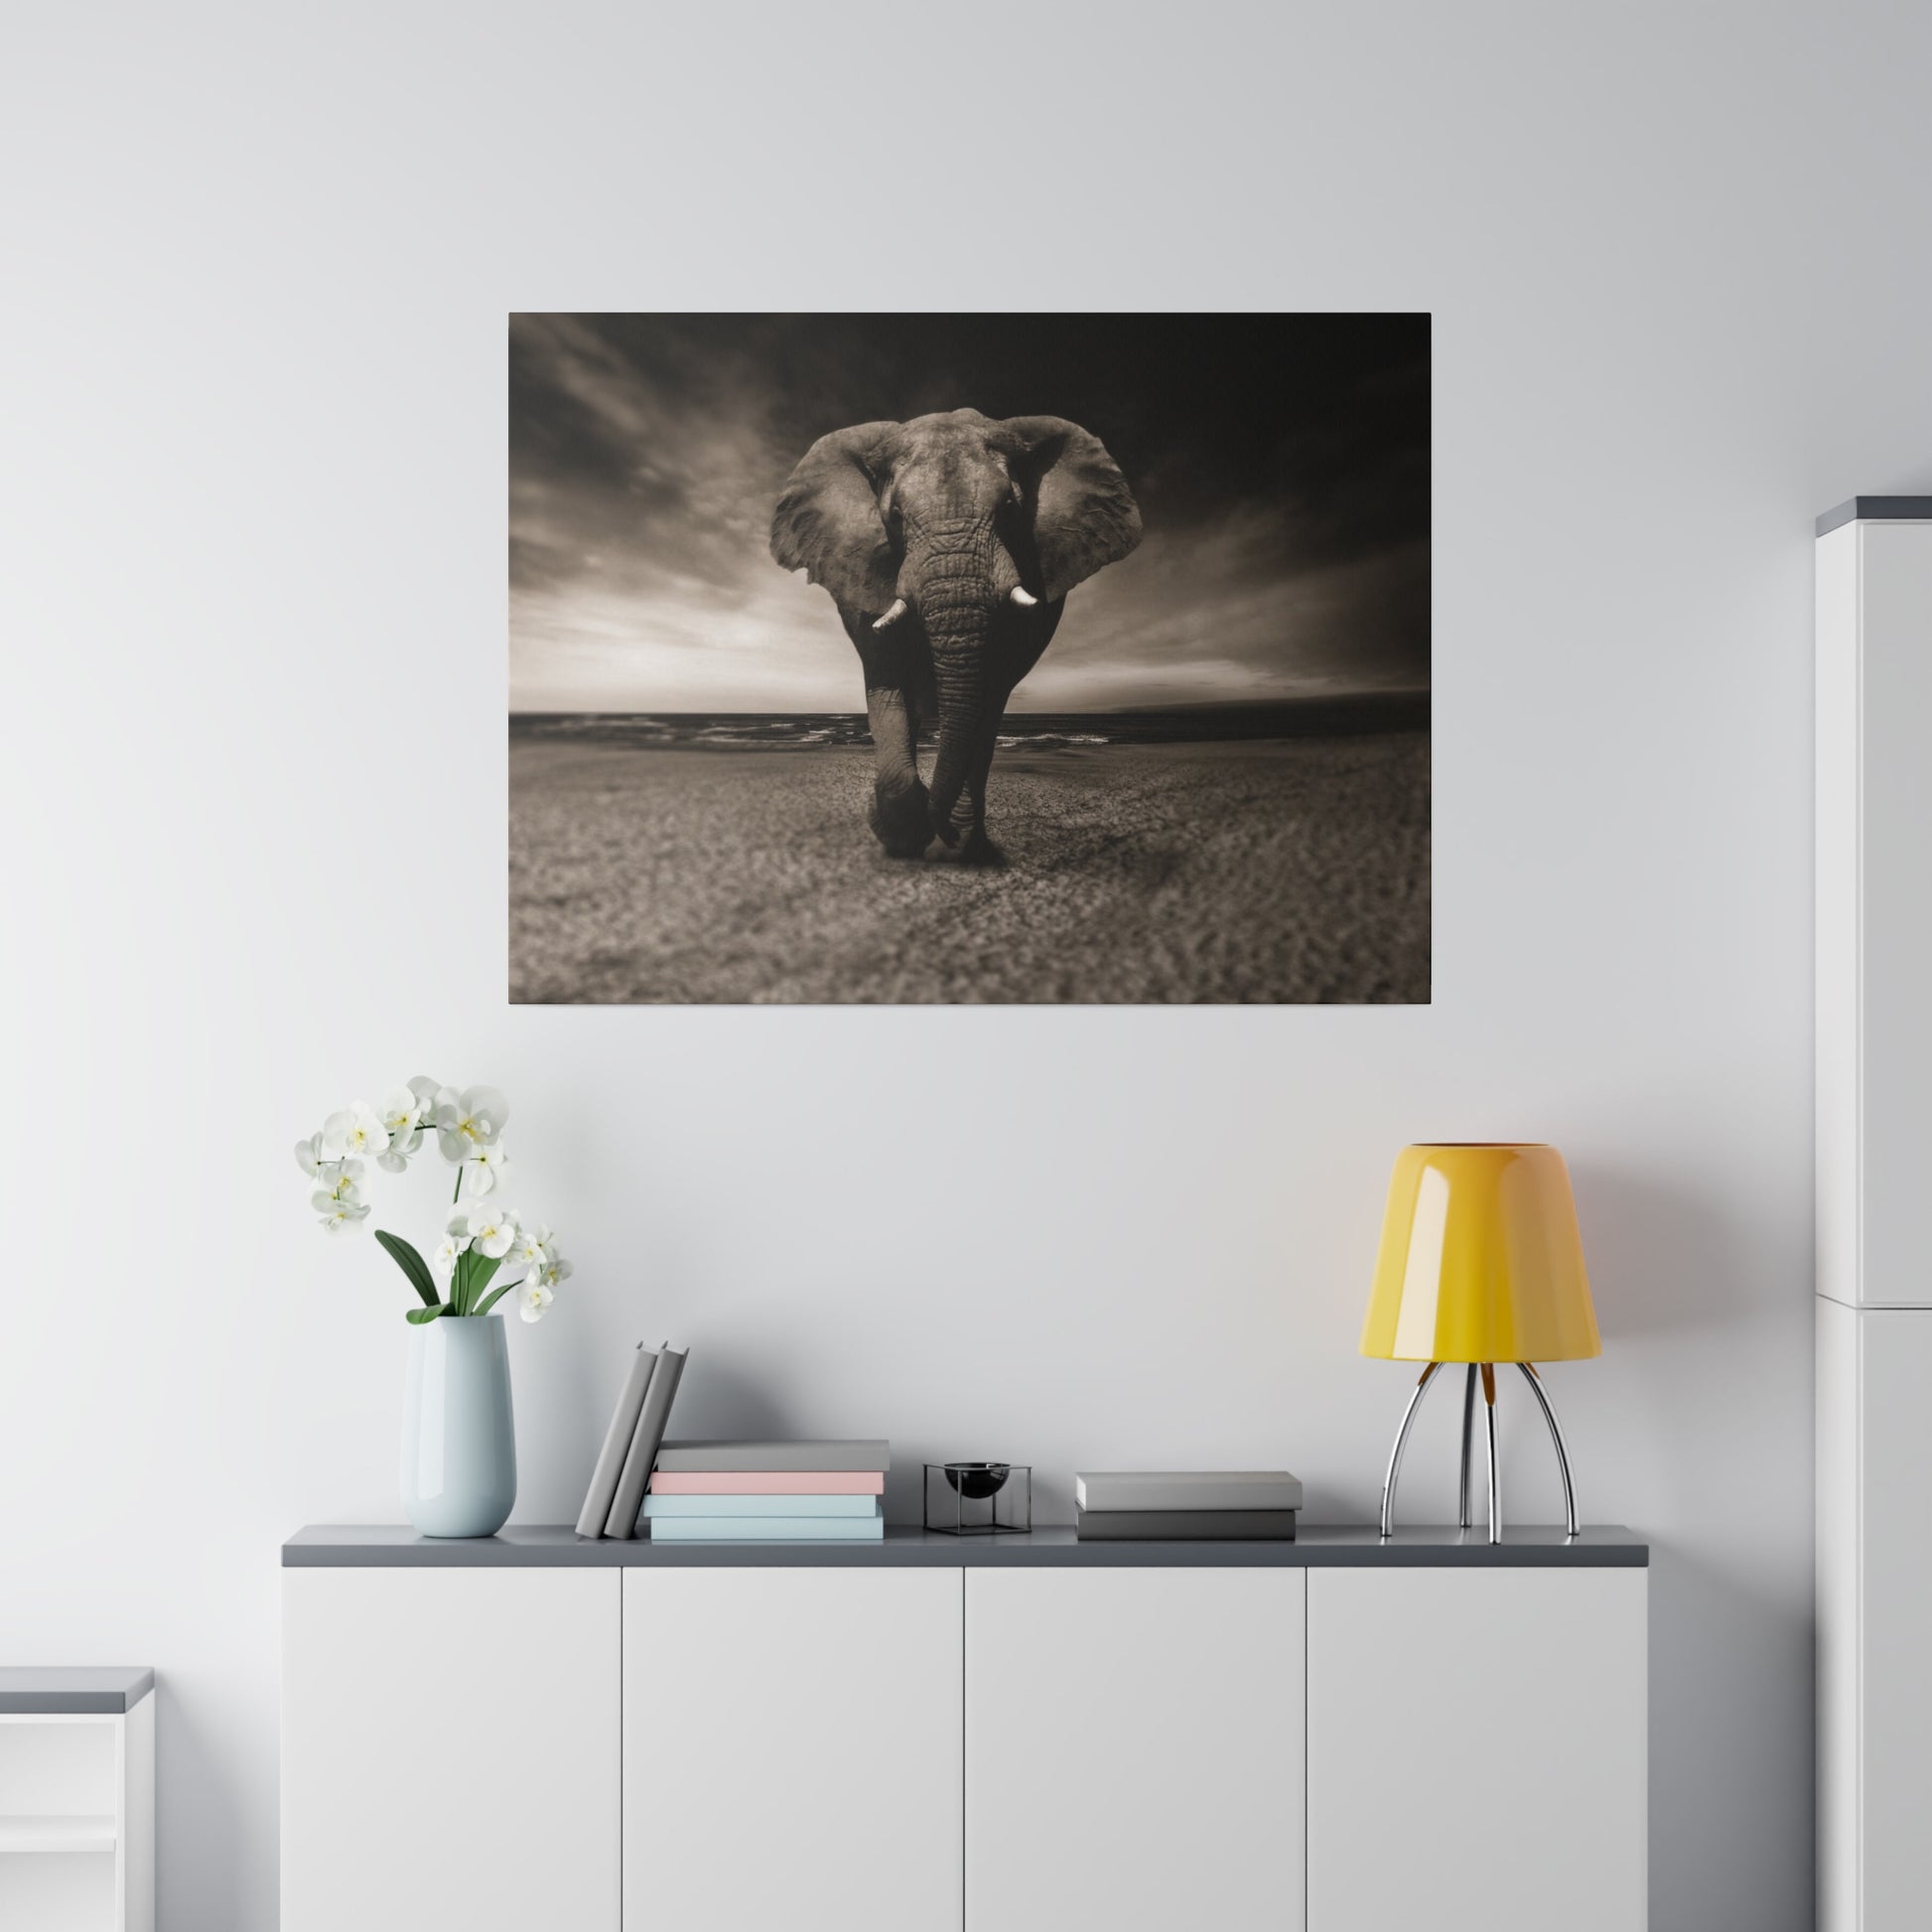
(77, 1817)
(1873, 1170)
(1875, 911)
(1134, 1750)
(1476, 1750)
(450, 1749)
(791, 1749)
(938, 1736)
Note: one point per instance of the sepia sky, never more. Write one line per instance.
(1281, 464)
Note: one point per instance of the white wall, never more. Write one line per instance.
(251, 510)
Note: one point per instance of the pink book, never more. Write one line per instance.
(769, 1482)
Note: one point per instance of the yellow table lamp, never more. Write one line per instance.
(1480, 1263)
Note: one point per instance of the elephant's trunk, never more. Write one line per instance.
(960, 674)
(965, 575)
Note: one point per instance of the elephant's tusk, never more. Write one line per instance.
(1020, 597)
(892, 615)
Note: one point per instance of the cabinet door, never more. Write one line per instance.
(1134, 1750)
(450, 1749)
(1893, 1019)
(1476, 1750)
(1894, 1687)
(791, 1750)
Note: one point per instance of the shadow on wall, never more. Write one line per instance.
(718, 1401)
(1715, 1647)
(197, 1816)
(1662, 1261)
(1695, 1363)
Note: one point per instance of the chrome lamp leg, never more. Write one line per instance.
(1395, 1454)
(1495, 1467)
(1556, 1435)
(1463, 1517)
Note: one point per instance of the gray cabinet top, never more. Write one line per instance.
(67, 1689)
(1876, 509)
(546, 1546)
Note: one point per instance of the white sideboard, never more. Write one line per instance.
(1873, 592)
(936, 1734)
(76, 1800)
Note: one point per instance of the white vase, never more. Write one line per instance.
(459, 1439)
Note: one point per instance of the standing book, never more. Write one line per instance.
(644, 1442)
(616, 1445)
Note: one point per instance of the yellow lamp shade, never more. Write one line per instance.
(1480, 1260)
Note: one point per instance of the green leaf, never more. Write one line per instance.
(482, 1268)
(420, 1315)
(494, 1295)
(412, 1265)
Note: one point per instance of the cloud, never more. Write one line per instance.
(646, 454)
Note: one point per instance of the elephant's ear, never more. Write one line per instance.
(827, 521)
(1084, 516)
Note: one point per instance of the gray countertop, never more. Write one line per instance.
(63, 1690)
(546, 1546)
(1876, 509)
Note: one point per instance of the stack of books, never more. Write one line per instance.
(617, 1492)
(1225, 1505)
(776, 1492)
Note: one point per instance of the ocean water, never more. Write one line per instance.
(1042, 731)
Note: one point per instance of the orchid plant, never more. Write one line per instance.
(483, 1231)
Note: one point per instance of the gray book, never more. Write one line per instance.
(1189, 1489)
(739, 1459)
(1186, 1526)
(616, 1445)
(644, 1441)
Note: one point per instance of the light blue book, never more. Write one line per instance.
(662, 1506)
(767, 1529)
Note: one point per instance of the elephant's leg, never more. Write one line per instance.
(900, 815)
(969, 815)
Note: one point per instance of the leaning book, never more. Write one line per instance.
(644, 1442)
(616, 1445)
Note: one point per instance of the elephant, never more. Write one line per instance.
(949, 544)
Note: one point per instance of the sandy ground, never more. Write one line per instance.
(1287, 871)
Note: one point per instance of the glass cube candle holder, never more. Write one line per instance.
(979, 1498)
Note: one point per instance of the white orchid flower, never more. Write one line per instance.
(456, 1241)
(469, 1120)
(492, 1230)
(400, 1110)
(532, 1249)
(356, 1130)
(488, 1171)
(339, 1181)
(308, 1155)
(531, 1301)
(340, 1213)
(401, 1113)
